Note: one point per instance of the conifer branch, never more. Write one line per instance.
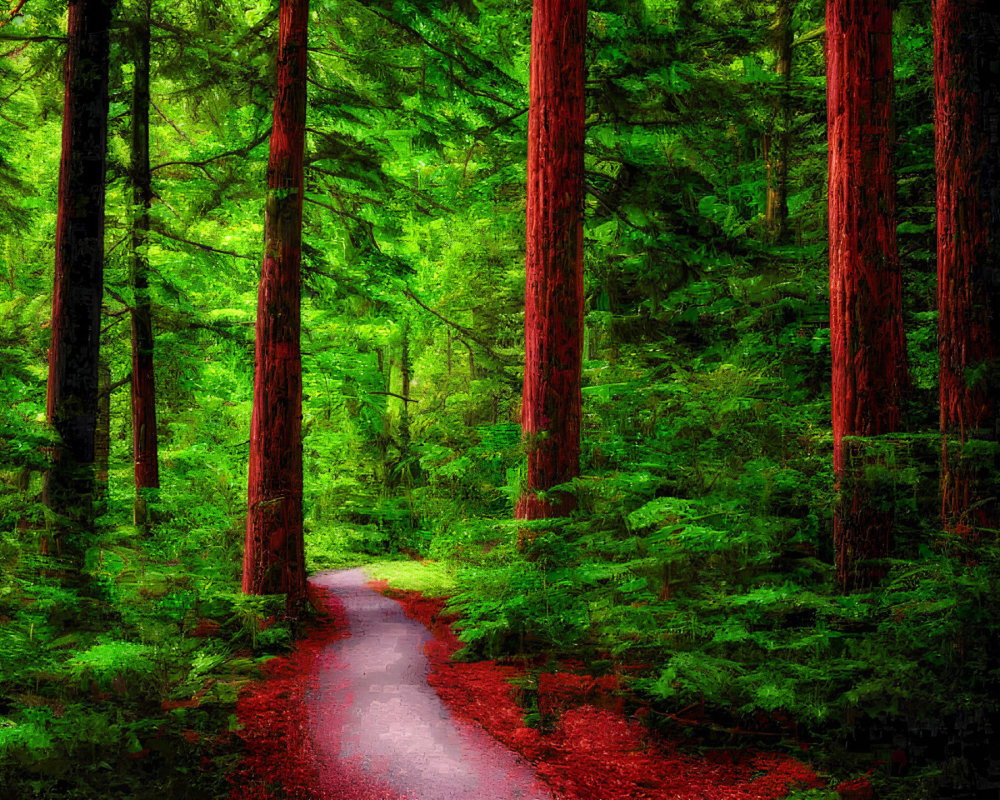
(202, 246)
(118, 297)
(471, 335)
(399, 396)
(450, 56)
(16, 10)
(368, 227)
(116, 385)
(240, 151)
(4, 37)
(816, 33)
(170, 122)
(14, 122)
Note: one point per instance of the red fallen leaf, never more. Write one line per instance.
(857, 789)
(194, 702)
(593, 752)
(279, 757)
(267, 622)
(170, 705)
(138, 754)
(205, 629)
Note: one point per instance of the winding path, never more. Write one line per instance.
(373, 715)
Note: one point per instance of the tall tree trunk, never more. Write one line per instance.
(404, 391)
(553, 304)
(866, 329)
(102, 437)
(274, 559)
(71, 405)
(967, 110)
(448, 351)
(144, 441)
(779, 141)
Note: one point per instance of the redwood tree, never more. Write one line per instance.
(866, 330)
(274, 558)
(79, 272)
(144, 439)
(967, 91)
(553, 305)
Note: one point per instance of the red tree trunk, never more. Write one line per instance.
(144, 441)
(866, 329)
(79, 272)
(553, 304)
(967, 91)
(274, 560)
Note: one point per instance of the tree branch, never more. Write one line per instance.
(816, 33)
(450, 56)
(368, 227)
(13, 13)
(172, 125)
(460, 328)
(118, 297)
(202, 246)
(602, 199)
(241, 151)
(14, 122)
(116, 385)
(399, 396)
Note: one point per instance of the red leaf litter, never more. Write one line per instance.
(595, 752)
(858, 789)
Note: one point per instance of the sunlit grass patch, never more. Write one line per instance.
(432, 578)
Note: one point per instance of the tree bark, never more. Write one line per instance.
(144, 436)
(967, 115)
(71, 405)
(778, 142)
(866, 330)
(553, 313)
(102, 437)
(274, 560)
(405, 378)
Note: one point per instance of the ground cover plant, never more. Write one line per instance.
(578, 747)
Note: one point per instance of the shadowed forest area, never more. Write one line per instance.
(652, 341)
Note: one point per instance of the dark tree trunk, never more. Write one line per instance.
(866, 330)
(144, 441)
(553, 304)
(404, 391)
(102, 437)
(274, 560)
(79, 271)
(967, 116)
(778, 141)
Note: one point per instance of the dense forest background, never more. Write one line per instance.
(699, 560)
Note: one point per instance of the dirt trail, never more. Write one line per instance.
(373, 715)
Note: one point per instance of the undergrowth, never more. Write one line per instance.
(126, 687)
(700, 560)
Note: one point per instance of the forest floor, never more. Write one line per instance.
(369, 706)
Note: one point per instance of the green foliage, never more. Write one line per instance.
(112, 661)
(432, 579)
(701, 547)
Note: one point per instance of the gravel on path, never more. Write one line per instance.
(372, 712)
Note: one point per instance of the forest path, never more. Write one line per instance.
(373, 715)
